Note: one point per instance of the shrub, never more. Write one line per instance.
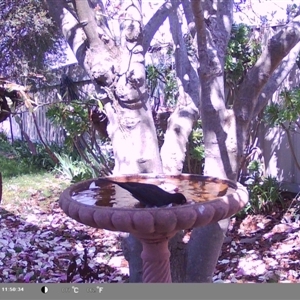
(264, 196)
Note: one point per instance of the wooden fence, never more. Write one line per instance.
(46, 95)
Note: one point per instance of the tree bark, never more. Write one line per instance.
(203, 250)
(181, 122)
(118, 72)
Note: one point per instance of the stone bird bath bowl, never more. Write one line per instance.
(105, 205)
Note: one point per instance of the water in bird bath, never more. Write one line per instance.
(102, 193)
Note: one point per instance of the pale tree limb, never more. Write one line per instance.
(135, 143)
(180, 123)
(156, 21)
(205, 243)
(118, 72)
(279, 75)
(186, 5)
(256, 78)
(200, 27)
(91, 59)
(87, 21)
(213, 32)
(71, 30)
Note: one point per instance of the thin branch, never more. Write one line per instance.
(156, 21)
(186, 5)
(72, 31)
(48, 150)
(200, 26)
(181, 57)
(88, 22)
(102, 158)
(187, 77)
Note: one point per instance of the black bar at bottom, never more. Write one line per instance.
(142, 291)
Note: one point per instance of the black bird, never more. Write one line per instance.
(149, 194)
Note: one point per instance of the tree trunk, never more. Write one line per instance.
(181, 122)
(132, 249)
(118, 71)
(203, 250)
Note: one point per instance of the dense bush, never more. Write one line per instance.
(16, 158)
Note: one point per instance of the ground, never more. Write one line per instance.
(39, 243)
(261, 249)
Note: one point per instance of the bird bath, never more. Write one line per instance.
(213, 200)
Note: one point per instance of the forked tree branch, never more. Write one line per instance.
(279, 75)
(278, 47)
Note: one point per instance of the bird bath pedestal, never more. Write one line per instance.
(155, 226)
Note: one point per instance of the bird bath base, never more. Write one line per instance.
(155, 226)
(156, 260)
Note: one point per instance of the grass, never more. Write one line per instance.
(25, 180)
(11, 164)
(21, 191)
(23, 183)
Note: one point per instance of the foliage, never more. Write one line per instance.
(72, 117)
(12, 96)
(242, 53)
(264, 194)
(194, 162)
(287, 110)
(17, 159)
(197, 142)
(38, 160)
(74, 169)
(11, 167)
(254, 168)
(165, 74)
(285, 114)
(189, 43)
(27, 33)
(13, 164)
(5, 146)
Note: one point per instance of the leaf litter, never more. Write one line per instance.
(261, 248)
(39, 243)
